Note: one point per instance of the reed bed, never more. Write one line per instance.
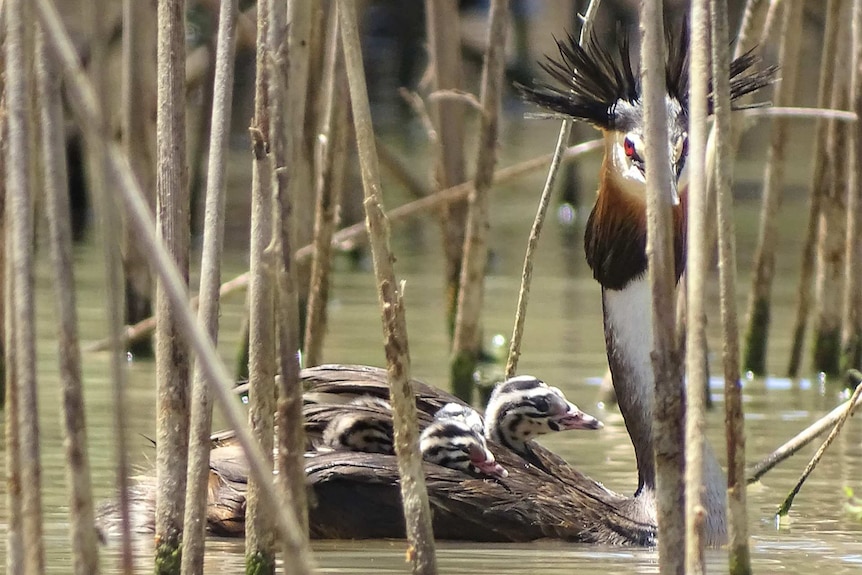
(319, 53)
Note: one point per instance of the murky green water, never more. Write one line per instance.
(563, 344)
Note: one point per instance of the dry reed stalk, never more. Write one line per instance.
(260, 543)
(83, 103)
(14, 522)
(829, 277)
(19, 51)
(740, 561)
(195, 520)
(291, 434)
(3, 242)
(759, 299)
(850, 407)
(300, 143)
(668, 415)
(331, 162)
(851, 329)
(819, 184)
(800, 440)
(172, 354)
(353, 235)
(467, 338)
(695, 288)
(444, 50)
(114, 303)
(417, 513)
(137, 110)
(85, 558)
(538, 222)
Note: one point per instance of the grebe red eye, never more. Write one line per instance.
(629, 147)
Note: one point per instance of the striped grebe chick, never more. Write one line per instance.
(455, 439)
(525, 407)
(365, 424)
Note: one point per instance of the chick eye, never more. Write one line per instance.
(629, 147)
(541, 404)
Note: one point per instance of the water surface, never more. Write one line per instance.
(563, 344)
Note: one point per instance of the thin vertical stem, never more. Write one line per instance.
(444, 51)
(331, 161)
(19, 52)
(14, 520)
(831, 242)
(83, 103)
(285, 121)
(851, 332)
(668, 414)
(538, 222)
(172, 357)
(195, 521)
(138, 103)
(85, 558)
(467, 338)
(819, 184)
(759, 314)
(260, 542)
(9, 400)
(737, 514)
(696, 270)
(417, 512)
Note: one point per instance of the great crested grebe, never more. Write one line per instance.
(356, 494)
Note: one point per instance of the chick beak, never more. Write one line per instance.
(574, 418)
(483, 460)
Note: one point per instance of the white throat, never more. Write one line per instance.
(628, 328)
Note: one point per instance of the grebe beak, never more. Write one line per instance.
(483, 460)
(574, 418)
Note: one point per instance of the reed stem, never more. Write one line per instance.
(467, 338)
(851, 329)
(696, 271)
(85, 557)
(740, 562)
(819, 184)
(417, 513)
(443, 28)
(195, 520)
(759, 299)
(331, 163)
(831, 242)
(260, 544)
(856, 377)
(285, 122)
(172, 221)
(350, 236)
(667, 366)
(538, 222)
(83, 103)
(19, 52)
(137, 108)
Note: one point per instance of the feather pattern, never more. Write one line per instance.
(591, 81)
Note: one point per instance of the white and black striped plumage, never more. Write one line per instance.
(525, 407)
(455, 439)
(366, 427)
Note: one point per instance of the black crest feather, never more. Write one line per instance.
(591, 80)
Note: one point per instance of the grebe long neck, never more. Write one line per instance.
(615, 244)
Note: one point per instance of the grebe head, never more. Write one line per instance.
(452, 440)
(524, 407)
(600, 86)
